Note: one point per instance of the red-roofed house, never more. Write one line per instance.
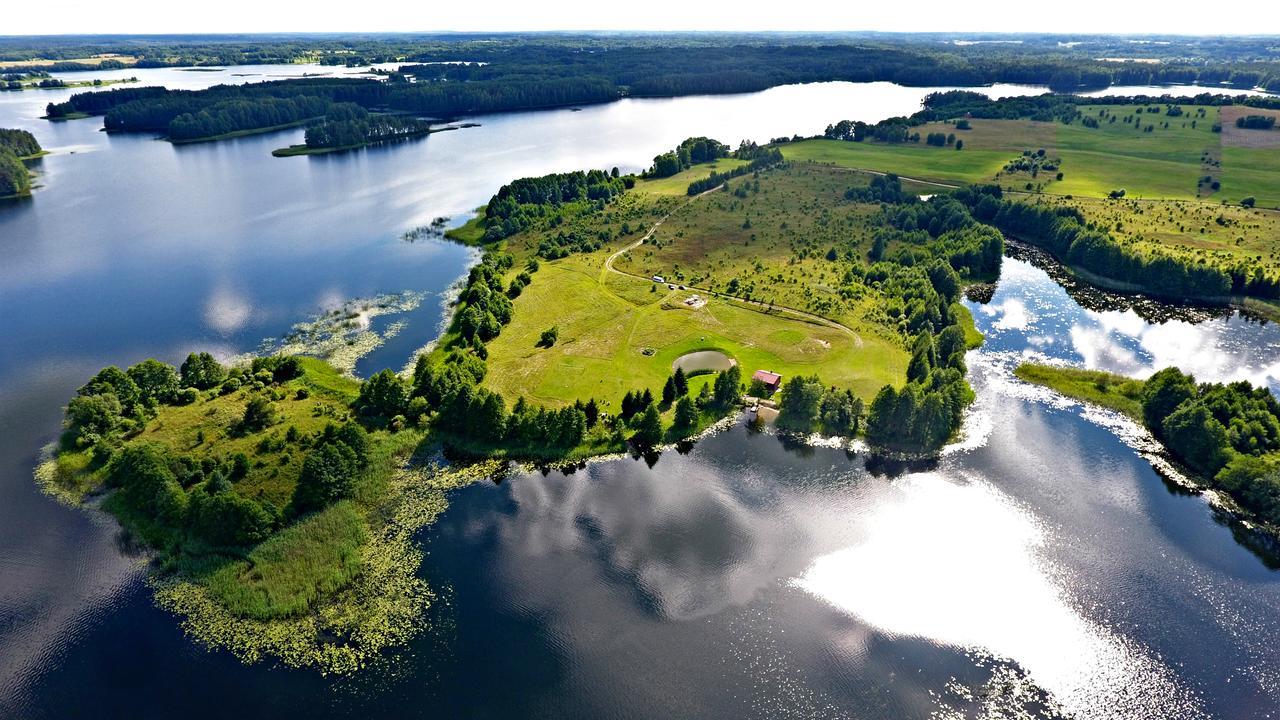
(771, 380)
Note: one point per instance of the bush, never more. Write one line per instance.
(549, 337)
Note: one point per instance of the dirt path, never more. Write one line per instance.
(763, 307)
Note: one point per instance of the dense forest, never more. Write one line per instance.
(519, 204)
(14, 178)
(533, 72)
(1229, 433)
(674, 63)
(19, 142)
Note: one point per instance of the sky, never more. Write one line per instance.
(237, 16)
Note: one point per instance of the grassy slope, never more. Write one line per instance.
(1115, 392)
(272, 476)
(797, 215)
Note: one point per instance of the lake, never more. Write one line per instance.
(748, 576)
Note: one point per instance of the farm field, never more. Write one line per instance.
(1147, 154)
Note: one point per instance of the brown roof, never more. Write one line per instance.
(766, 377)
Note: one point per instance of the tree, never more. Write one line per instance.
(801, 398)
(649, 428)
(229, 519)
(114, 381)
(840, 413)
(1197, 438)
(727, 386)
(1163, 392)
(258, 415)
(383, 395)
(681, 382)
(147, 485)
(549, 337)
(669, 391)
(202, 371)
(686, 414)
(328, 474)
(157, 382)
(92, 417)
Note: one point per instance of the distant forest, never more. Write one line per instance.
(466, 76)
(681, 63)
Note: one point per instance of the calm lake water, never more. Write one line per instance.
(748, 577)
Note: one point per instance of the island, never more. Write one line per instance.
(347, 126)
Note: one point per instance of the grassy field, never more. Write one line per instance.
(1149, 155)
(1115, 392)
(619, 333)
(767, 240)
(678, 184)
(1203, 229)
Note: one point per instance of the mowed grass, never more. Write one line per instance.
(287, 573)
(919, 161)
(616, 335)
(1164, 163)
(1115, 392)
(678, 184)
(1251, 172)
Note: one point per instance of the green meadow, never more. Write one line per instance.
(1151, 156)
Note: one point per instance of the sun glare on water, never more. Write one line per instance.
(959, 563)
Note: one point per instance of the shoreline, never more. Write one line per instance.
(1265, 535)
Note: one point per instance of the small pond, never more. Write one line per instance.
(703, 361)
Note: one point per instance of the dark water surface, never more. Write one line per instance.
(748, 577)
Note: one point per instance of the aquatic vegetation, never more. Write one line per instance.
(382, 608)
(344, 335)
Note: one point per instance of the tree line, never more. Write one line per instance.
(14, 145)
(519, 204)
(690, 152)
(1066, 234)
